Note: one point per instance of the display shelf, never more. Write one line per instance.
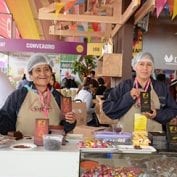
(155, 164)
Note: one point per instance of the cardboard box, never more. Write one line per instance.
(112, 65)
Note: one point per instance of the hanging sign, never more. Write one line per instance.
(43, 46)
(95, 49)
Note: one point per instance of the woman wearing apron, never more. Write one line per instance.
(124, 101)
(36, 100)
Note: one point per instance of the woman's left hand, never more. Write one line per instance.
(70, 117)
(151, 115)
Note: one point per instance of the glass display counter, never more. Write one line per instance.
(116, 164)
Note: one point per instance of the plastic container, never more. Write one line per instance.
(52, 142)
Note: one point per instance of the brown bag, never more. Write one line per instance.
(103, 119)
(79, 108)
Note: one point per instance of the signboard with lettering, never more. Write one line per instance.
(95, 49)
(43, 46)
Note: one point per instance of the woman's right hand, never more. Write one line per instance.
(135, 93)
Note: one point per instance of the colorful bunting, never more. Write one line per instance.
(58, 7)
(85, 26)
(69, 5)
(95, 27)
(174, 9)
(159, 4)
(73, 27)
(80, 2)
(170, 6)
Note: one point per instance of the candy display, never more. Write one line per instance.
(94, 143)
(88, 164)
(163, 166)
(106, 171)
(140, 138)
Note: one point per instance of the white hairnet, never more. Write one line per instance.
(38, 59)
(140, 56)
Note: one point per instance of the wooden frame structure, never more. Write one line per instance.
(113, 20)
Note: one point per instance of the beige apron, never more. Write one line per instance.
(31, 109)
(127, 121)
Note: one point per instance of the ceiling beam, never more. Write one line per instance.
(78, 18)
(48, 13)
(147, 7)
(126, 15)
(114, 17)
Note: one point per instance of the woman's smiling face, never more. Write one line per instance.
(144, 68)
(41, 75)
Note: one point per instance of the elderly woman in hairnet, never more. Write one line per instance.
(36, 100)
(124, 100)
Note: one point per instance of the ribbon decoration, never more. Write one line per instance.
(80, 2)
(45, 102)
(159, 4)
(136, 85)
(58, 7)
(95, 26)
(69, 5)
(73, 26)
(170, 6)
(174, 9)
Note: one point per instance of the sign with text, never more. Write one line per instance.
(43, 46)
(95, 49)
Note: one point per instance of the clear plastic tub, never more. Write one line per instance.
(52, 142)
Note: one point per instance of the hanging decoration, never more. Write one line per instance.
(159, 5)
(167, 5)
(137, 41)
(69, 5)
(80, 2)
(95, 27)
(58, 7)
(170, 6)
(174, 9)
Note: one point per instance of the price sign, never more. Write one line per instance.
(95, 49)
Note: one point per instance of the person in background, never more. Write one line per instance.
(93, 79)
(101, 86)
(6, 88)
(55, 84)
(85, 95)
(36, 100)
(124, 100)
(161, 77)
(23, 82)
(68, 81)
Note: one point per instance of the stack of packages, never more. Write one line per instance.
(159, 140)
(140, 134)
(172, 136)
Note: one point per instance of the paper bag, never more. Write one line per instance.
(80, 110)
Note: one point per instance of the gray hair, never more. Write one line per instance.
(141, 56)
